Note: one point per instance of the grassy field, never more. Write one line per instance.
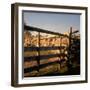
(49, 70)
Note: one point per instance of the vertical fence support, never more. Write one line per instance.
(69, 49)
(60, 50)
(70, 36)
(38, 59)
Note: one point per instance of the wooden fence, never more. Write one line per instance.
(59, 58)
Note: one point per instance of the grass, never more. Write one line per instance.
(51, 69)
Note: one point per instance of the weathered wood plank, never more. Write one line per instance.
(44, 56)
(43, 48)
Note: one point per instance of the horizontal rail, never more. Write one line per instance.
(42, 30)
(43, 56)
(60, 61)
(30, 69)
(43, 48)
(30, 28)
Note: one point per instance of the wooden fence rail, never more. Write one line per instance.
(43, 48)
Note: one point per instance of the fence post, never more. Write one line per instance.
(60, 50)
(70, 35)
(38, 59)
(69, 49)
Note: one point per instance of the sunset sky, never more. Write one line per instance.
(57, 22)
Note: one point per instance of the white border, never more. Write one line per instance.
(52, 78)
